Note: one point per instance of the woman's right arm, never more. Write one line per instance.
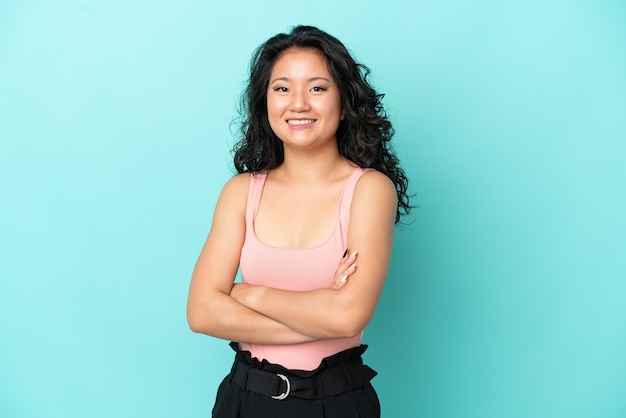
(210, 309)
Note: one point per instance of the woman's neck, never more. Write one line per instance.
(308, 168)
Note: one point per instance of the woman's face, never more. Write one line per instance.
(303, 100)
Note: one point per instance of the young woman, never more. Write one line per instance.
(309, 220)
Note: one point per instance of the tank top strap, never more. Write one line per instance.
(257, 180)
(345, 204)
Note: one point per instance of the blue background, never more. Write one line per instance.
(506, 295)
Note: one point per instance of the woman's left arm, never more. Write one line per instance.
(343, 312)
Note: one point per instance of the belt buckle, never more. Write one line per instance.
(286, 392)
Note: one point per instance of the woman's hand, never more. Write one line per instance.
(241, 292)
(346, 267)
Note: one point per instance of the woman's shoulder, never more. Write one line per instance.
(238, 181)
(374, 179)
(236, 189)
(374, 186)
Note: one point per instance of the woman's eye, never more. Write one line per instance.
(318, 89)
(281, 89)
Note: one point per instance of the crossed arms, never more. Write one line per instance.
(264, 315)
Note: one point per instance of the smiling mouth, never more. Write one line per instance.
(300, 121)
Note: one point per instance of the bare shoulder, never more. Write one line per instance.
(235, 192)
(375, 199)
(237, 185)
(374, 184)
(238, 182)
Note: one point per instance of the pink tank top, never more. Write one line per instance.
(297, 269)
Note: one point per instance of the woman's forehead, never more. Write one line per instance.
(299, 61)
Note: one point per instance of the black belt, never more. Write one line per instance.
(327, 382)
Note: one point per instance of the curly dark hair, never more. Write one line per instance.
(363, 136)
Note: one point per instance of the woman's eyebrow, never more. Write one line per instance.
(319, 78)
(310, 79)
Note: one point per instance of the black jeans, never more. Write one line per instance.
(340, 387)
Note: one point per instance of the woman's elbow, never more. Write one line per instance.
(352, 312)
(350, 322)
(193, 321)
(197, 321)
(351, 327)
(206, 315)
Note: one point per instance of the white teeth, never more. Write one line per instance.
(300, 121)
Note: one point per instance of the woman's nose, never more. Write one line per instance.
(299, 101)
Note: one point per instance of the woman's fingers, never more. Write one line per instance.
(344, 279)
(347, 266)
